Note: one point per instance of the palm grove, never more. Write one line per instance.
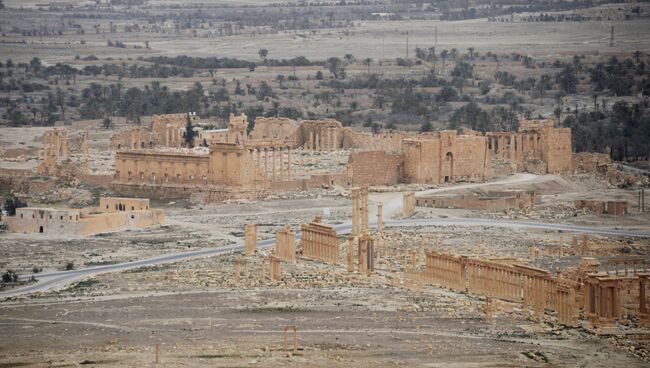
(438, 89)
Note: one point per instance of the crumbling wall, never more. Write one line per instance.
(162, 167)
(320, 135)
(556, 149)
(283, 129)
(134, 138)
(606, 207)
(493, 201)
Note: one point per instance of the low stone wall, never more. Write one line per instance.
(497, 201)
(25, 181)
(96, 180)
(606, 207)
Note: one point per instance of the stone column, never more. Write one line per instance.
(355, 211)
(266, 162)
(364, 210)
(273, 162)
(282, 173)
(380, 216)
(289, 168)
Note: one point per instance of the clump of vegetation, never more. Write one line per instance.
(69, 266)
(11, 204)
(10, 276)
(537, 356)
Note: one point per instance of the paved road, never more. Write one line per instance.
(632, 168)
(53, 280)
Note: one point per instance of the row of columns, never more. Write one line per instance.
(324, 139)
(566, 305)
(173, 136)
(285, 244)
(632, 262)
(602, 297)
(494, 280)
(280, 166)
(514, 146)
(56, 142)
(320, 242)
(445, 270)
(537, 290)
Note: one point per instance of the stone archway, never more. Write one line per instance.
(447, 170)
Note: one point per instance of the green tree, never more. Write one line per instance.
(367, 62)
(107, 123)
(336, 68)
(263, 53)
(11, 204)
(35, 65)
(190, 133)
(567, 79)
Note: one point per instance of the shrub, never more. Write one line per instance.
(10, 276)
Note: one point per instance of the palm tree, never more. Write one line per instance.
(453, 53)
(280, 79)
(349, 58)
(443, 55)
(471, 53)
(367, 62)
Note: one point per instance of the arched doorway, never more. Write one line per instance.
(447, 170)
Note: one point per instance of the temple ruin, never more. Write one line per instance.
(230, 163)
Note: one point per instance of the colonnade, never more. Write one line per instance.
(320, 242)
(630, 265)
(602, 297)
(445, 270)
(56, 143)
(514, 146)
(173, 136)
(323, 139)
(275, 162)
(285, 244)
(536, 288)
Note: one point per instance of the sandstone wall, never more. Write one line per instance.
(445, 157)
(374, 168)
(556, 150)
(283, 129)
(161, 167)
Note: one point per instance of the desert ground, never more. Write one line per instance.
(190, 309)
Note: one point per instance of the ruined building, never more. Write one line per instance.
(112, 214)
(236, 164)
